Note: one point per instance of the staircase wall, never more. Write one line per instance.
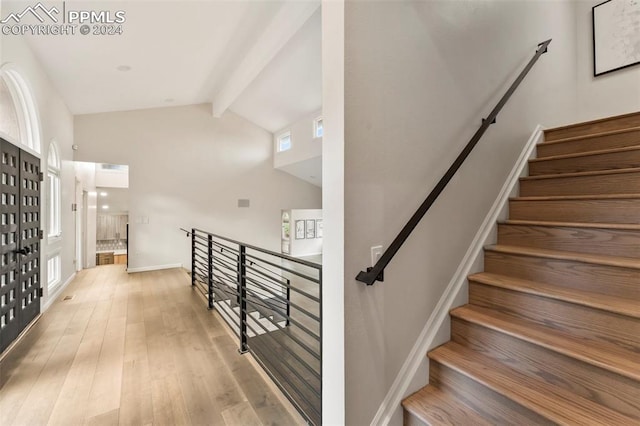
(418, 78)
(605, 95)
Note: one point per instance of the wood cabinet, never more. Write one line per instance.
(104, 258)
(111, 227)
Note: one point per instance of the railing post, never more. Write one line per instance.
(193, 257)
(242, 287)
(288, 300)
(210, 272)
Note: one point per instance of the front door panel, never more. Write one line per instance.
(10, 235)
(20, 249)
(29, 258)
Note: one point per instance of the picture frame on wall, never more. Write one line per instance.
(299, 229)
(616, 38)
(319, 231)
(310, 229)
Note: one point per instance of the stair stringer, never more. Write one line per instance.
(414, 371)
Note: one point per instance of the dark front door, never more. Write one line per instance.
(20, 233)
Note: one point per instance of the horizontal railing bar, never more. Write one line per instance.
(281, 283)
(292, 353)
(372, 275)
(297, 290)
(259, 249)
(301, 326)
(285, 376)
(306, 277)
(286, 392)
(225, 247)
(297, 340)
(293, 305)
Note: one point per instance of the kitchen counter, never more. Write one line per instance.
(115, 252)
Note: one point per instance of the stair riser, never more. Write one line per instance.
(590, 211)
(609, 161)
(608, 124)
(582, 322)
(493, 406)
(611, 280)
(612, 242)
(619, 183)
(411, 420)
(599, 143)
(601, 386)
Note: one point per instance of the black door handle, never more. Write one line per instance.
(24, 251)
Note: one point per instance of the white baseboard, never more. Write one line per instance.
(59, 289)
(440, 314)
(154, 268)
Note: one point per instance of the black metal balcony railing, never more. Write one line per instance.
(273, 302)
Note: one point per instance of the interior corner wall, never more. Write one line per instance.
(56, 122)
(333, 164)
(304, 146)
(189, 169)
(419, 77)
(609, 94)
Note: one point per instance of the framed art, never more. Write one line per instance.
(318, 228)
(310, 228)
(299, 229)
(616, 35)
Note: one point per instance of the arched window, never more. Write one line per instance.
(53, 176)
(19, 116)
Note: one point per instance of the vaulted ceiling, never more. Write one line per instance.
(260, 59)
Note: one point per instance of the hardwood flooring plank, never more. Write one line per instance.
(134, 349)
(241, 414)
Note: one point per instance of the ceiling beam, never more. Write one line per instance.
(285, 24)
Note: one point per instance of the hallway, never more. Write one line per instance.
(134, 349)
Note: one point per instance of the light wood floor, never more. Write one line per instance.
(134, 349)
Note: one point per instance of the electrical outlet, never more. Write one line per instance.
(376, 253)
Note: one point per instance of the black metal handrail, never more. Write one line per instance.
(273, 303)
(376, 273)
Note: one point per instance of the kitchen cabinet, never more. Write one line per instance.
(104, 258)
(111, 227)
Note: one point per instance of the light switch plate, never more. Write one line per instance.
(376, 253)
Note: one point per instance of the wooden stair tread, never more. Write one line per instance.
(551, 402)
(586, 154)
(434, 406)
(581, 174)
(590, 136)
(622, 262)
(611, 358)
(603, 302)
(592, 122)
(578, 197)
(616, 226)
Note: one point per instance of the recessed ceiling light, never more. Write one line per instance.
(123, 68)
(103, 194)
(105, 207)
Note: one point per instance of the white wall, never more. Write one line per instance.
(419, 76)
(609, 94)
(86, 175)
(304, 145)
(56, 122)
(304, 246)
(304, 159)
(112, 178)
(188, 169)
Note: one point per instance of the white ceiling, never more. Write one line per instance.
(187, 52)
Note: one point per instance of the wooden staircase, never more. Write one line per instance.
(551, 334)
